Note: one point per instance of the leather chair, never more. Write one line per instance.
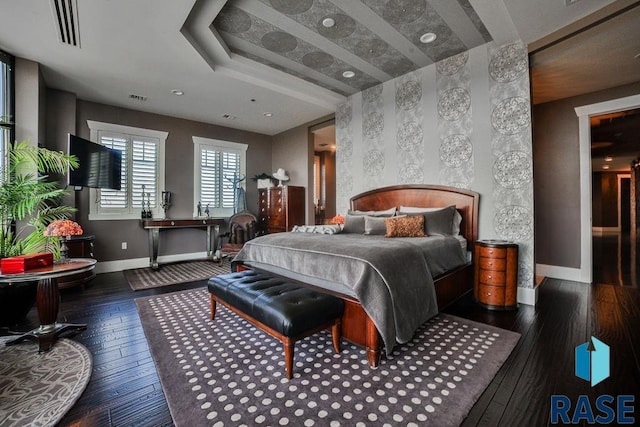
(242, 228)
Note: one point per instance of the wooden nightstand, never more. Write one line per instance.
(496, 274)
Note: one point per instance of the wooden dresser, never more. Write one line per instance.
(280, 208)
(496, 274)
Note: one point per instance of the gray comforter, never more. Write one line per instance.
(392, 278)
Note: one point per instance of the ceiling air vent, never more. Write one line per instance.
(137, 97)
(65, 14)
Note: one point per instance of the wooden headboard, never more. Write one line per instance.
(424, 196)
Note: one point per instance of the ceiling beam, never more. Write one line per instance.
(496, 19)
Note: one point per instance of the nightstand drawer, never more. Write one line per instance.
(491, 252)
(499, 264)
(490, 277)
(491, 295)
(496, 274)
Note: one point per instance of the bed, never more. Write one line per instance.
(371, 272)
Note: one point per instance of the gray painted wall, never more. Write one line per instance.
(293, 151)
(463, 122)
(29, 115)
(557, 175)
(59, 123)
(179, 172)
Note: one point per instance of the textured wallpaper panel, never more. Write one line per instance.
(465, 122)
(409, 133)
(511, 146)
(455, 121)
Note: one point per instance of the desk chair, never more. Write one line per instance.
(242, 228)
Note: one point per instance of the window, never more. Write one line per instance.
(6, 105)
(217, 165)
(142, 171)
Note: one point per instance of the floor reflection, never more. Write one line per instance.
(615, 259)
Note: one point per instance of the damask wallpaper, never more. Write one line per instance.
(463, 122)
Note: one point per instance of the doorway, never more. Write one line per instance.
(584, 114)
(324, 171)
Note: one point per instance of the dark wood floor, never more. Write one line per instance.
(125, 389)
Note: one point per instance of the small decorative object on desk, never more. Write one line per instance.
(281, 176)
(166, 202)
(63, 229)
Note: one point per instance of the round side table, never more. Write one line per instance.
(496, 274)
(48, 299)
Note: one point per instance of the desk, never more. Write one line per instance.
(48, 299)
(155, 225)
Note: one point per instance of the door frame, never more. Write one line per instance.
(584, 114)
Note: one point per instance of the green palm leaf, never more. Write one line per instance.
(28, 198)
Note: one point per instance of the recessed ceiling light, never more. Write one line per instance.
(605, 166)
(428, 38)
(268, 114)
(328, 22)
(177, 92)
(348, 74)
(608, 159)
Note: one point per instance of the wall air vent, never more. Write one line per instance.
(65, 15)
(137, 97)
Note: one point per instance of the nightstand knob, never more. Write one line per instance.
(488, 294)
(489, 277)
(490, 263)
(490, 251)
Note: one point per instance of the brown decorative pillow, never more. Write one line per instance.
(409, 226)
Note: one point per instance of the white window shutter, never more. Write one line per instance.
(115, 198)
(144, 171)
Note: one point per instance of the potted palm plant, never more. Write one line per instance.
(29, 201)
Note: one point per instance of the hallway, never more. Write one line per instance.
(615, 260)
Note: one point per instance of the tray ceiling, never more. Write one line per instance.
(319, 41)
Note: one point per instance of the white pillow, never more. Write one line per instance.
(317, 229)
(457, 218)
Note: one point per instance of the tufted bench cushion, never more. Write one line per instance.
(288, 312)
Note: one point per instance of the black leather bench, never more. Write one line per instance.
(286, 311)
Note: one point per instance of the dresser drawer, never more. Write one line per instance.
(499, 264)
(491, 295)
(491, 277)
(491, 252)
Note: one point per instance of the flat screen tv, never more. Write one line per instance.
(98, 166)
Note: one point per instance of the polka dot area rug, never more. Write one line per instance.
(227, 372)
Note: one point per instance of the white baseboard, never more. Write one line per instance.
(126, 264)
(528, 296)
(556, 272)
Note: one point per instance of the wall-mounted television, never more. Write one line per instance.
(98, 166)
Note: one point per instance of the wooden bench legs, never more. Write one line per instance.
(287, 342)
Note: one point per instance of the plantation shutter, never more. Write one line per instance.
(141, 156)
(230, 171)
(144, 172)
(210, 178)
(114, 198)
(217, 172)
